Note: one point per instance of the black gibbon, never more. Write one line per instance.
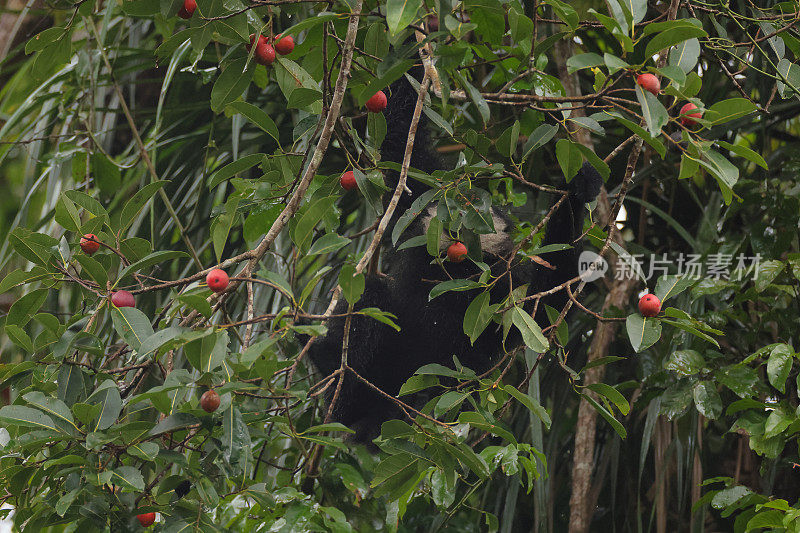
(432, 331)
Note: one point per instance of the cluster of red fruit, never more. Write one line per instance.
(265, 52)
(217, 279)
(688, 114)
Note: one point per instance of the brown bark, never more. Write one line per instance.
(581, 500)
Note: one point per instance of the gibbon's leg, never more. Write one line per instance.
(370, 344)
(564, 226)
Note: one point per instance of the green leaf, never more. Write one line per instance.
(55, 408)
(730, 109)
(531, 332)
(310, 22)
(475, 96)
(257, 116)
(236, 438)
(159, 339)
(672, 285)
(507, 142)
(352, 283)
(88, 203)
(618, 427)
(458, 28)
(303, 97)
(394, 469)
(207, 353)
(642, 332)
(612, 394)
(654, 142)
(21, 277)
(132, 325)
(653, 111)
(307, 219)
(18, 415)
(67, 214)
(128, 477)
(137, 203)
(456, 285)
(24, 308)
(93, 267)
(582, 61)
(478, 421)
(707, 399)
(174, 422)
(418, 382)
(770, 519)
(538, 138)
(230, 84)
(292, 76)
(437, 119)
(19, 337)
(64, 502)
(725, 172)
(381, 316)
(221, 227)
(400, 13)
(779, 365)
(569, 158)
(672, 37)
(328, 243)
(146, 451)
(448, 401)
(150, 260)
(107, 395)
(685, 362)
(565, 12)
(741, 379)
(684, 55)
(477, 316)
(232, 169)
(766, 273)
(533, 406)
(747, 153)
(71, 383)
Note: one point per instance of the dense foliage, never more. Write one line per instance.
(170, 140)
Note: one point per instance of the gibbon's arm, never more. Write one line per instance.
(402, 100)
(564, 226)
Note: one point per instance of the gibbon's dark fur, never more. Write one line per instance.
(432, 331)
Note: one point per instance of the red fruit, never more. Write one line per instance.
(89, 243)
(265, 53)
(348, 181)
(209, 401)
(649, 82)
(687, 117)
(649, 305)
(217, 280)
(188, 9)
(284, 45)
(456, 252)
(261, 39)
(146, 519)
(377, 103)
(123, 299)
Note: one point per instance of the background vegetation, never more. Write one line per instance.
(164, 138)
